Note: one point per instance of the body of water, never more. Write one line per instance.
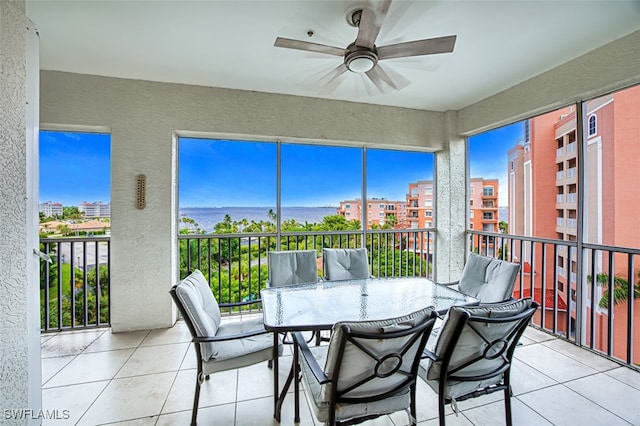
(207, 217)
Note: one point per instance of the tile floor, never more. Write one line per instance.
(147, 377)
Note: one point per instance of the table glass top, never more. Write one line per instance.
(319, 306)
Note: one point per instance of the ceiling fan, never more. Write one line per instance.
(363, 56)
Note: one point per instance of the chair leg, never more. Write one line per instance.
(507, 399)
(412, 405)
(296, 384)
(441, 408)
(196, 398)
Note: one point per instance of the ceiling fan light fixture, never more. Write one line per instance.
(359, 59)
(361, 64)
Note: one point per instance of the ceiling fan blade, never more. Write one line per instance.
(308, 47)
(333, 79)
(370, 23)
(386, 80)
(429, 46)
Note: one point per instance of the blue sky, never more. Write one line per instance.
(74, 167)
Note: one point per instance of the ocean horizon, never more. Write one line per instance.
(208, 217)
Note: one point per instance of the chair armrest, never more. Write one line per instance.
(229, 336)
(234, 304)
(426, 353)
(317, 371)
(450, 283)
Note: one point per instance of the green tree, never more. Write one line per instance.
(71, 212)
(620, 289)
(503, 227)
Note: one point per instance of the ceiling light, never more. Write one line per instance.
(360, 59)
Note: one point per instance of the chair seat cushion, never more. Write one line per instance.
(238, 353)
(320, 401)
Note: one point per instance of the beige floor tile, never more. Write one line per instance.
(626, 375)
(111, 341)
(526, 379)
(91, 368)
(610, 393)
(584, 356)
(179, 333)
(70, 343)
(51, 366)
(217, 415)
(536, 335)
(493, 414)
(154, 359)
(451, 420)
(552, 363)
(130, 398)
(563, 407)
(71, 400)
(221, 388)
(256, 381)
(259, 412)
(147, 421)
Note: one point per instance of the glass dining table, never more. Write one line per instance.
(318, 306)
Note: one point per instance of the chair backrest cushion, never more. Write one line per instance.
(469, 345)
(488, 280)
(292, 267)
(355, 364)
(345, 264)
(202, 308)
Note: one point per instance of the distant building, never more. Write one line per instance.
(543, 203)
(96, 209)
(50, 209)
(483, 204)
(379, 211)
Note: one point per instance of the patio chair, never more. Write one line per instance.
(488, 280)
(474, 352)
(292, 267)
(369, 368)
(218, 346)
(345, 264)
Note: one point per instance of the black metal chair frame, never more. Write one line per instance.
(499, 348)
(200, 378)
(421, 331)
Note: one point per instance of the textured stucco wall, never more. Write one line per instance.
(19, 359)
(142, 117)
(598, 72)
(451, 204)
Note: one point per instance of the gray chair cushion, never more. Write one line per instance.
(356, 365)
(488, 280)
(470, 345)
(237, 353)
(346, 264)
(195, 295)
(292, 267)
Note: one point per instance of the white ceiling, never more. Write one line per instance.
(230, 43)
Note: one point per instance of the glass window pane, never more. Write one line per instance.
(75, 182)
(220, 178)
(315, 180)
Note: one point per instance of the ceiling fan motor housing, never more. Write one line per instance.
(360, 59)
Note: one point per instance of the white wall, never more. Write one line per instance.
(20, 376)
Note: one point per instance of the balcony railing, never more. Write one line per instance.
(75, 285)
(597, 322)
(236, 264)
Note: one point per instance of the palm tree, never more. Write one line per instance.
(620, 289)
